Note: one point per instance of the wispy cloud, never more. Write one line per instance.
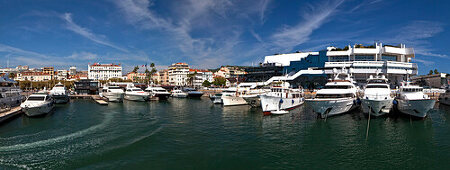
(291, 36)
(72, 26)
(262, 9)
(18, 51)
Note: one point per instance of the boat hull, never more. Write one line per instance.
(376, 107)
(61, 99)
(272, 103)
(444, 99)
(326, 108)
(253, 101)
(195, 94)
(114, 97)
(233, 101)
(134, 97)
(179, 95)
(162, 96)
(38, 111)
(417, 108)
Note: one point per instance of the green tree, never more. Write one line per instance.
(12, 75)
(206, 83)
(436, 71)
(136, 68)
(219, 81)
(191, 77)
(430, 73)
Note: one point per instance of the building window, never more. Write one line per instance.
(338, 58)
(364, 58)
(389, 58)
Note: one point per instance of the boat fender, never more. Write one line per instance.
(358, 101)
(394, 102)
(292, 101)
(281, 100)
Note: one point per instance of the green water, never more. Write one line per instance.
(195, 134)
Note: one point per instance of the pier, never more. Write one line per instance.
(4, 116)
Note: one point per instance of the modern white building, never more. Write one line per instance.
(361, 61)
(99, 71)
(178, 74)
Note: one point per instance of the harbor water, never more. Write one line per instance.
(196, 134)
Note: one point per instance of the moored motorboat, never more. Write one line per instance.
(193, 93)
(444, 98)
(230, 97)
(177, 93)
(281, 98)
(38, 104)
(60, 93)
(10, 94)
(135, 94)
(338, 96)
(216, 98)
(377, 100)
(157, 92)
(412, 101)
(113, 93)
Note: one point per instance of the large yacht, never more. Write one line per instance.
(159, 92)
(377, 98)
(280, 99)
(338, 96)
(193, 93)
(60, 93)
(444, 98)
(412, 101)
(113, 93)
(9, 93)
(135, 94)
(38, 104)
(177, 93)
(230, 97)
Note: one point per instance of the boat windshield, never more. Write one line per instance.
(137, 89)
(377, 81)
(114, 87)
(333, 96)
(377, 86)
(337, 87)
(36, 98)
(412, 89)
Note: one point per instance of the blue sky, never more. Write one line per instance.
(210, 33)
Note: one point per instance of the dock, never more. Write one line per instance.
(99, 100)
(4, 116)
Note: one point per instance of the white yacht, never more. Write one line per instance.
(444, 98)
(377, 98)
(159, 92)
(10, 94)
(280, 99)
(216, 98)
(113, 93)
(337, 97)
(38, 104)
(230, 97)
(135, 94)
(179, 94)
(412, 101)
(60, 93)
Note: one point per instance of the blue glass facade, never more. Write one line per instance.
(310, 61)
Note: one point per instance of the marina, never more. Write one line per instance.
(180, 133)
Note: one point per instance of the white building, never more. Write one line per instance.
(178, 74)
(33, 76)
(201, 76)
(362, 61)
(73, 70)
(61, 75)
(99, 71)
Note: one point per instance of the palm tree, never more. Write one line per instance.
(191, 77)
